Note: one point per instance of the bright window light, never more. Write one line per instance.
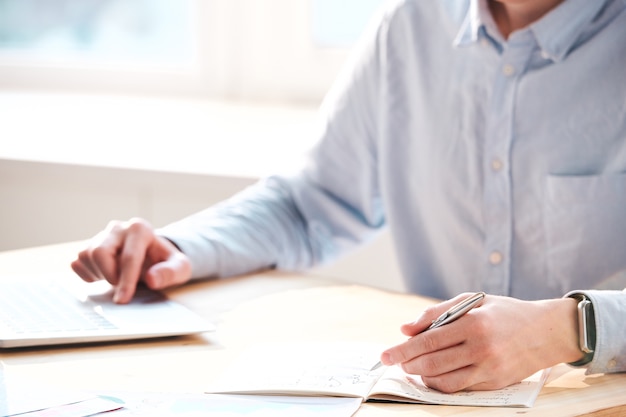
(144, 32)
(339, 23)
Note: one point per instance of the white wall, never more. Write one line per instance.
(45, 203)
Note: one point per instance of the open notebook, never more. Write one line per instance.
(344, 369)
(36, 313)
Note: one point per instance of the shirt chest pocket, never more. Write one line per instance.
(585, 225)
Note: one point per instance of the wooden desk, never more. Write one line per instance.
(269, 307)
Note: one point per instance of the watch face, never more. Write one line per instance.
(586, 326)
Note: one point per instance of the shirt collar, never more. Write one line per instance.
(477, 20)
(556, 33)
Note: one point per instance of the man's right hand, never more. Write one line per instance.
(128, 252)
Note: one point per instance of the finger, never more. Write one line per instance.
(472, 378)
(81, 269)
(426, 342)
(439, 362)
(175, 269)
(96, 263)
(455, 381)
(102, 255)
(167, 274)
(131, 260)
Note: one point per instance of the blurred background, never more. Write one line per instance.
(157, 108)
(244, 49)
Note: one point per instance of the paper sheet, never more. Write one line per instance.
(522, 394)
(196, 405)
(30, 398)
(84, 408)
(331, 369)
(19, 396)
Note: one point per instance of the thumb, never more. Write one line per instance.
(421, 323)
(174, 270)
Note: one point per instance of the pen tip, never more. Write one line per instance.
(375, 367)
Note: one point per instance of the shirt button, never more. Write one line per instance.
(496, 164)
(508, 70)
(495, 258)
(611, 364)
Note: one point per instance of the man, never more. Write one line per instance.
(490, 137)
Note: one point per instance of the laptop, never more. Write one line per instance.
(54, 312)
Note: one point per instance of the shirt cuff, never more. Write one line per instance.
(610, 314)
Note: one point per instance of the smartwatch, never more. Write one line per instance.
(586, 329)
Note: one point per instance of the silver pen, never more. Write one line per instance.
(451, 315)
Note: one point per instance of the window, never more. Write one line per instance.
(340, 23)
(277, 50)
(148, 33)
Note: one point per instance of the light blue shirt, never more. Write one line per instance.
(498, 165)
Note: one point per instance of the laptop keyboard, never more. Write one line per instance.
(51, 310)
